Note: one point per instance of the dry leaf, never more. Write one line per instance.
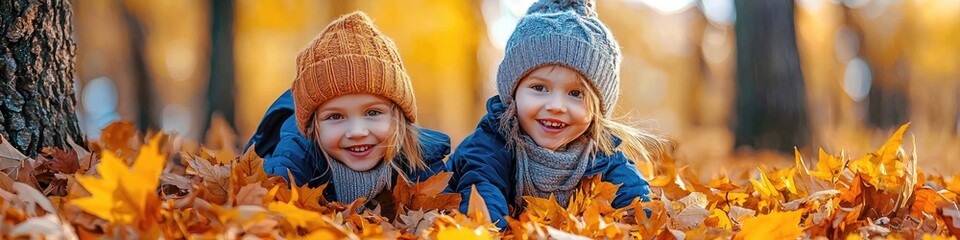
(10, 157)
(251, 194)
(48, 226)
(779, 225)
(216, 180)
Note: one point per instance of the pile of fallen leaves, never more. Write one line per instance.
(135, 186)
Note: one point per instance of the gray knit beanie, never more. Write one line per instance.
(567, 33)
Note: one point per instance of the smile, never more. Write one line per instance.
(552, 124)
(359, 150)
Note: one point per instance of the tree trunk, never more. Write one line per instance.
(221, 88)
(771, 101)
(37, 54)
(143, 82)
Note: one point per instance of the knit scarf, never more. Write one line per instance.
(541, 172)
(350, 184)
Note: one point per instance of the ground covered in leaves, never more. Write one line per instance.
(134, 186)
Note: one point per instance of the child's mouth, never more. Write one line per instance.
(359, 150)
(552, 126)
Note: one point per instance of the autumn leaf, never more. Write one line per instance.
(62, 161)
(477, 207)
(443, 201)
(778, 225)
(647, 226)
(49, 226)
(31, 197)
(770, 197)
(723, 184)
(248, 169)
(417, 221)
(309, 198)
(26, 173)
(425, 195)
(10, 157)
(883, 193)
(220, 136)
(216, 179)
(120, 138)
(547, 211)
(828, 167)
(6, 183)
(251, 194)
(433, 185)
(888, 152)
(718, 219)
(296, 216)
(462, 234)
(883, 168)
(691, 217)
(925, 201)
(121, 193)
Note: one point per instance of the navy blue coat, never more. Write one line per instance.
(483, 159)
(280, 143)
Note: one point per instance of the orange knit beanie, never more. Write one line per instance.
(350, 56)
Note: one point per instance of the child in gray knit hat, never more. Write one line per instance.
(550, 126)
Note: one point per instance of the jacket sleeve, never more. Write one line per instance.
(294, 152)
(479, 161)
(623, 171)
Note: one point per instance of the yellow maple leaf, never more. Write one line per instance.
(719, 219)
(723, 184)
(120, 194)
(783, 179)
(884, 168)
(546, 211)
(888, 152)
(779, 225)
(769, 196)
(463, 234)
(828, 167)
(296, 216)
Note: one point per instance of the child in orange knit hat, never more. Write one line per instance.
(348, 120)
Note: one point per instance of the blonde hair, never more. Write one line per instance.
(402, 143)
(636, 144)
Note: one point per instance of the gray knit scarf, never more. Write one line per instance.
(350, 184)
(541, 172)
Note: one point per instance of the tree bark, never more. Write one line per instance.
(771, 100)
(37, 57)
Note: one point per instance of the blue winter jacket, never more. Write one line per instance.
(483, 159)
(280, 143)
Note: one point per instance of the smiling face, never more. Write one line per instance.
(551, 106)
(353, 129)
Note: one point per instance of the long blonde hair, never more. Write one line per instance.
(402, 143)
(642, 147)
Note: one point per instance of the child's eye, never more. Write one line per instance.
(576, 93)
(374, 113)
(539, 88)
(335, 116)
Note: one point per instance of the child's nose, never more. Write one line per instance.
(556, 105)
(357, 130)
